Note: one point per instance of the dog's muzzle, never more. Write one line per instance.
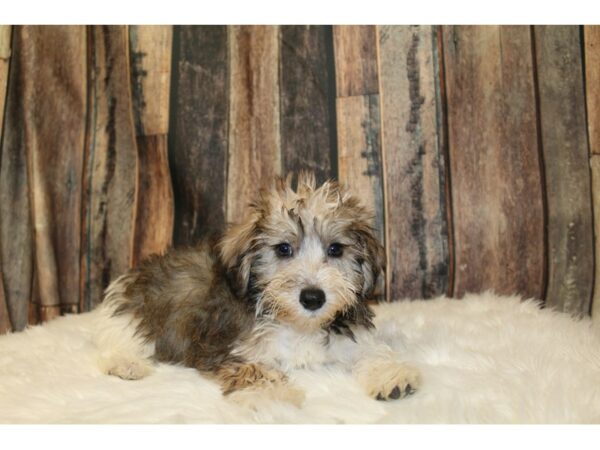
(312, 299)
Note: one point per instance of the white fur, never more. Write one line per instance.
(284, 347)
(121, 351)
(484, 359)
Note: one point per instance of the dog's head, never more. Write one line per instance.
(307, 257)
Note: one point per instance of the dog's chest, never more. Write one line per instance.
(285, 348)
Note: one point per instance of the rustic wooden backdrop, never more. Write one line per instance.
(479, 147)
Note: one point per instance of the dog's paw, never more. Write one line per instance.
(388, 379)
(251, 385)
(127, 369)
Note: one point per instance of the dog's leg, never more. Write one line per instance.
(121, 352)
(376, 366)
(251, 383)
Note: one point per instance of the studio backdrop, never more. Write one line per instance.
(475, 145)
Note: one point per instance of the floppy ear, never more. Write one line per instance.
(373, 258)
(236, 252)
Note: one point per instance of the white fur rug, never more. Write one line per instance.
(485, 359)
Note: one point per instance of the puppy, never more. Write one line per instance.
(285, 289)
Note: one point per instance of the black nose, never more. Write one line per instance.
(312, 298)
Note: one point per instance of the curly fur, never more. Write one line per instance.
(231, 308)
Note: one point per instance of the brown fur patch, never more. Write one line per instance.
(236, 376)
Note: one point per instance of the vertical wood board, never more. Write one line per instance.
(413, 162)
(358, 121)
(150, 65)
(355, 60)
(16, 238)
(53, 60)
(498, 213)
(307, 81)
(154, 218)
(566, 162)
(5, 51)
(111, 171)
(5, 31)
(592, 84)
(254, 137)
(359, 141)
(198, 131)
(595, 169)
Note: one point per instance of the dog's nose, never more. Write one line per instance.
(312, 298)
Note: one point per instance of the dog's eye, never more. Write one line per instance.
(335, 250)
(284, 250)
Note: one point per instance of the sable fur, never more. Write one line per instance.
(231, 308)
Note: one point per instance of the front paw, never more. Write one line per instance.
(388, 379)
(251, 385)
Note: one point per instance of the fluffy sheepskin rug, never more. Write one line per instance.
(484, 359)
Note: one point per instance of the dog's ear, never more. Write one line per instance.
(236, 252)
(372, 258)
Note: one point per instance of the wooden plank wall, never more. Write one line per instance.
(494, 160)
(478, 148)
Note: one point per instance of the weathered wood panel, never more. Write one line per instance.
(198, 133)
(595, 170)
(5, 50)
(53, 64)
(355, 60)
(150, 60)
(254, 138)
(111, 170)
(308, 138)
(154, 218)
(359, 142)
(592, 84)
(358, 119)
(592, 79)
(5, 325)
(413, 162)
(566, 153)
(16, 238)
(494, 160)
(5, 31)
(150, 75)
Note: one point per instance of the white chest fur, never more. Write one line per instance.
(286, 348)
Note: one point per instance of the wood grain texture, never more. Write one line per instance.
(359, 142)
(358, 120)
(498, 214)
(154, 217)
(150, 61)
(111, 165)
(16, 238)
(355, 60)
(198, 135)
(254, 139)
(53, 63)
(150, 58)
(413, 162)
(5, 50)
(5, 32)
(592, 84)
(595, 169)
(5, 324)
(566, 162)
(308, 101)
